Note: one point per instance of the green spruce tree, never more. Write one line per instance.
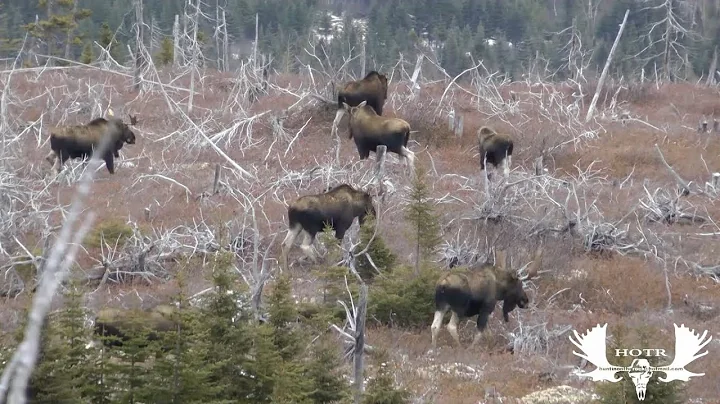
(381, 256)
(424, 222)
(381, 389)
(324, 372)
(87, 54)
(166, 54)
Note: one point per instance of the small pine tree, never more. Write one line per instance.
(333, 278)
(328, 385)
(229, 336)
(108, 41)
(64, 366)
(381, 389)
(380, 254)
(279, 343)
(87, 54)
(167, 52)
(182, 374)
(421, 214)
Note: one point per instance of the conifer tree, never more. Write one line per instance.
(167, 51)
(229, 337)
(64, 366)
(87, 54)
(421, 214)
(381, 389)
(62, 17)
(379, 253)
(181, 374)
(328, 385)
(108, 41)
(285, 370)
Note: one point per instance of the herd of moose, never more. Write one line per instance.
(465, 294)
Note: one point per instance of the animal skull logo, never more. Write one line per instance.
(593, 345)
(640, 375)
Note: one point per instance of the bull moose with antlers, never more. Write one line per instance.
(310, 214)
(80, 141)
(476, 291)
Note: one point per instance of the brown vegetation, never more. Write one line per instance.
(167, 192)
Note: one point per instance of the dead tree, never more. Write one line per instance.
(138, 43)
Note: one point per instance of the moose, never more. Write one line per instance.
(79, 141)
(495, 148)
(119, 323)
(310, 214)
(476, 292)
(370, 130)
(372, 89)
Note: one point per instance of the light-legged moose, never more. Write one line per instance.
(370, 130)
(477, 290)
(310, 214)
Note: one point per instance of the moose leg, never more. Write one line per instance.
(51, 157)
(482, 321)
(109, 163)
(452, 327)
(409, 157)
(307, 247)
(506, 166)
(336, 122)
(62, 158)
(287, 244)
(436, 324)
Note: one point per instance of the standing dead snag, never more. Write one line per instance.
(475, 292)
(370, 130)
(359, 348)
(337, 208)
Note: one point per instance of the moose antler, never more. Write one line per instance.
(502, 259)
(593, 346)
(687, 346)
(535, 265)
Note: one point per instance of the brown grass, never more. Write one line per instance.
(585, 290)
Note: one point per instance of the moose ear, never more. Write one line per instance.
(133, 119)
(346, 107)
(362, 104)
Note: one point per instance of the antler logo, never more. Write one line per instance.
(593, 346)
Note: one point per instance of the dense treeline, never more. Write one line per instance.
(675, 38)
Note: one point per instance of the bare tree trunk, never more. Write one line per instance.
(591, 109)
(176, 41)
(362, 59)
(713, 67)
(668, 30)
(194, 58)
(138, 42)
(68, 39)
(360, 343)
(218, 49)
(255, 45)
(226, 43)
